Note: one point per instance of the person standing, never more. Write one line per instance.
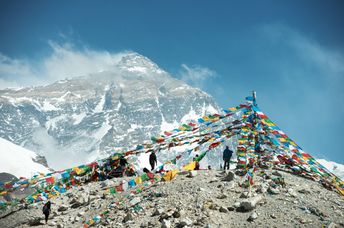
(153, 160)
(197, 162)
(227, 155)
(46, 210)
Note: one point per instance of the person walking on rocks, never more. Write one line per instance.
(153, 160)
(227, 155)
(46, 210)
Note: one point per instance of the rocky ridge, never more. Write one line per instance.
(205, 198)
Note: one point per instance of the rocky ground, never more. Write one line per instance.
(205, 198)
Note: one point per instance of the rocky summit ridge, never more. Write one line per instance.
(204, 198)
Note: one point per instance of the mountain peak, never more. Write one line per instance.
(136, 63)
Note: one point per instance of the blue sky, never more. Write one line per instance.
(290, 52)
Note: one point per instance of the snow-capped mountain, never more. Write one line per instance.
(77, 120)
(19, 161)
(335, 168)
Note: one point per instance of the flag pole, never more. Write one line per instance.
(254, 95)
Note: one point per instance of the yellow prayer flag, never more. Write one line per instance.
(282, 139)
(190, 166)
(170, 175)
(138, 180)
(205, 118)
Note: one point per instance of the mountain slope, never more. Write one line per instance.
(335, 168)
(202, 200)
(88, 117)
(19, 161)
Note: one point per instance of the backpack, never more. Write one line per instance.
(45, 209)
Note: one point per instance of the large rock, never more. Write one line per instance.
(229, 177)
(274, 191)
(192, 173)
(36, 221)
(128, 217)
(252, 217)
(62, 208)
(184, 222)
(158, 211)
(166, 224)
(135, 201)
(250, 204)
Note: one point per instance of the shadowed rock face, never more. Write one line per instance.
(77, 120)
(5, 177)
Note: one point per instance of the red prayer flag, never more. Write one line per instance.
(167, 133)
(50, 180)
(119, 188)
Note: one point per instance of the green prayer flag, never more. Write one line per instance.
(112, 190)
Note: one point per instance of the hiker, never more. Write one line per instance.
(227, 155)
(123, 164)
(153, 160)
(209, 167)
(46, 210)
(101, 175)
(130, 171)
(197, 163)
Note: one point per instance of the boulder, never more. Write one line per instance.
(304, 191)
(36, 221)
(222, 196)
(184, 222)
(176, 214)
(165, 224)
(276, 173)
(252, 217)
(245, 195)
(127, 217)
(229, 177)
(135, 201)
(236, 205)
(250, 204)
(223, 210)
(62, 208)
(274, 191)
(158, 211)
(192, 173)
(81, 213)
(76, 204)
(231, 208)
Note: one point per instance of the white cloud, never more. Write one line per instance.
(307, 49)
(304, 90)
(196, 75)
(65, 61)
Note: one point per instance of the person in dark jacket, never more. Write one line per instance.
(123, 165)
(153, 160)
(227, 155)
(46, 210)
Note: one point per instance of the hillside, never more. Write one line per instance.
(203, 199)
(276, 182)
